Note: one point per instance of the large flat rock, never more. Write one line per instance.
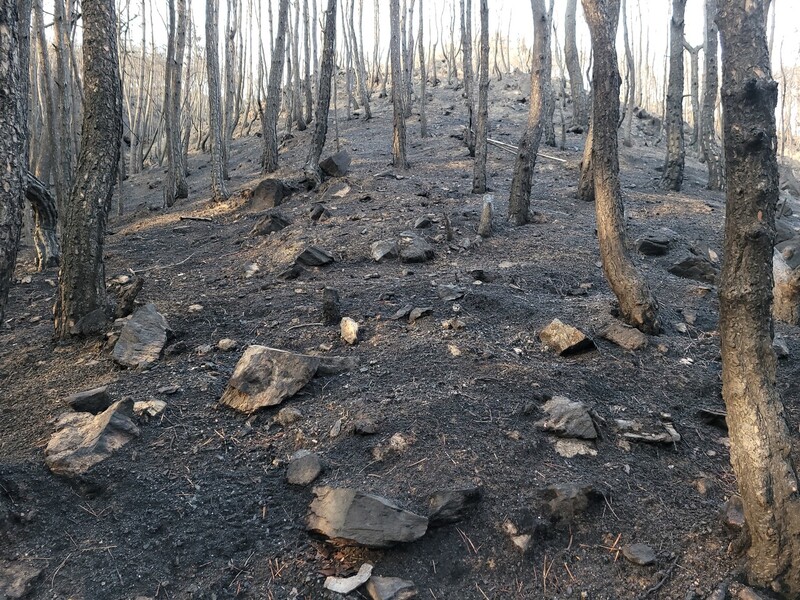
(142, 338)
(352, 516)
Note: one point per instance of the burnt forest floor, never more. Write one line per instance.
(198, 506)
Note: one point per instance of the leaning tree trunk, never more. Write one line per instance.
(520, 197)
(482, 124)
(45, 223)
(708, 143)
(81, 307)
(13, 100)
(672, 178)
(219, 190)
(311, 169)
(399, 159)
(269, 117)
(761, 444)
(637, 305)
(580, 112)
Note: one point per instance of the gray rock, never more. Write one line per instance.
(319, 212)
(418, 313)
(747, 593)
(18, 579)
(567, 419)
(352, 516)
(422, 223)
(91, 401)
(266, 377)
(291, 273)
(449, 293)
(142, 338)
(639, 554)
(288, 415)
(450, 506)
(565, 339)
(336, 165)
(331, 306)
(416, 250)
(695, 267)
(624, 336)
(270, 193)
(390, 588)
(304, 467)
(780, 347)
(384, 250)
(345, 585)
(272, 222)
(733, 513)
(365, 426)
(653, 245)
(402, 313)
(565, 501)
(790, 250)
(82, 440)
(315, 257)
(783, 231)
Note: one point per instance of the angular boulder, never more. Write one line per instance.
(653, 245)
(142, 338)
(450, 506)
(565, 339)
(384, 250)
(268, 194)
(336, 165)
(416, 250)
(565, 501)
(566, 418)
(272, 222)
(352, 516)
(624, 336)
(82, 440)
(695, 267)
(91, 401)
(390, 588)
(314, 257)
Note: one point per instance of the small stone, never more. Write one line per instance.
(169, 389)
(570, 448)
(149, 409)
(733, 513)
(695, 267)
(417, 251)
(336, 430)
(349, 330)
(384, 250)
(639, 554)
(195, 308)
(567, 419)
(272, 222)
(564, 501)
(315, 257)
(390, 588)
(345, 585)
(304, 467)
(18, 579)
(454, 350)
(422, 223)
(269, 193)
(704, 485)
(402, 313)
(203, 349)
(449, 506)
(624, 336)
(565, 339)
(177, 348)
(142, 338)
(781, 348)
(288, 415)
(227, 344)
(747, 593)
(449, 293)
(454, 324)
(251, 270)
(365, 426)
(523, 541)
(418, 313)
(91, 401)
(653, 245)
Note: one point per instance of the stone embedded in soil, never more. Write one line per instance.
(747, 593)
(18, 579)
(91, 401)
(422, 223)
(639, 554)
(304, 467)
(391, 588)
(564, 501)
(449, 293)
(352, 516)
(288, 415)
(345, 585)
(567, 419)
(315, 257)
(695, 267)
(82, 440)
(417, 313)
(349, 330)
(624, 336)
(450, 506)
(142, 338)
(570, 448)
(227, 344)
(336, 165)
(272, 222)
(331, 306)
(266, 377)
(268, 194)
(565, 339)
(291, 273)
(365, 426)
(653, 245)
(733, 513)
(417, 250)
(384, 250)
(402, 313)
(149, 409)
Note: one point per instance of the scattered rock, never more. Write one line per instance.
(331, 306)
(291, 273)
(449, 293)
(747, 593)
(422, 223)
(417, 250)
(369, 520)
(336, 430)
(169, 389)
(195, 308)
(315, 257)
(227, 344)
(176, 348)
(402, 313)
(669, 436)
(482, 275)
(91, 401)
(567, 419)
(570, 448)
(521, 541)
(417, 313)
(82, 440)
(288, 415)
(454, 324)
(487, 216)
(17, 579)
(398, 444)
(391, 588)
(733, 513)
(565, 339)
(270, 193)
(126, 291)
(142, 338)
(345, 585)
(624, 336)
(272, 222)
(266, 377)
(365, 426)
(564, 501)
(449, 506)
(336, 165)
(304, 467)
(149, 409)
(319, 212)
(349, 330)
(780, 347)
(704, 485)
(384, 250)
(639, 554)
(653, 245)
(695, 267)
(203, 349)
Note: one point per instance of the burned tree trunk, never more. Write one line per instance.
(580, 112)
(218, 188)
(176, 186)
(627, 124)
(520, 197)
(399, 159)
(269, 116)
(761, 444)
(694, 88)
(81, 307)
(423, 99)
(586, 180)
(482, 125)
(45, 223)
(469, 78)
(637, 305)
(708, 143)
(672, 179)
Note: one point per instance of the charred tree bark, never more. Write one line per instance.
(637, 305)
(423, 76)
(482, 125)
(176, 186)
(708, 142)
(218, 188)
(469, 78)
(399, 159)
(45, 223)
(586, 179)
(694, 90)
(627, 125)
(520, 197)
(311, 168)
(269, 116)
(361, 70)
(63, 80)
(580, 112)
(672, 179)
(81, 307)
(761, 444)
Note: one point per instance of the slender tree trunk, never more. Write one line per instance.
(81, 308)
(586, 180)
(580, 113)
(408, 59)
(761, 444)
(307, 64)
(466, 46)
(297, 98)
(50, 119)
(637, 305)
(311, 168)
(627, 125)
(361, 71)
(45, 223)
(269, 117)
(708, 142)
(694, 87)
(64, 164)
(672, 179)
(548, 129)
(423, 117)
(230, 82)
(519, 199)
(175, 186)
(482, 125)
(219, 190)
(399, 159)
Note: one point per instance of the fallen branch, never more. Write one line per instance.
(159, 267)
(513, 150)
(206, 219)
(305, 325)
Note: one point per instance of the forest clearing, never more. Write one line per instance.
(434, 349)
